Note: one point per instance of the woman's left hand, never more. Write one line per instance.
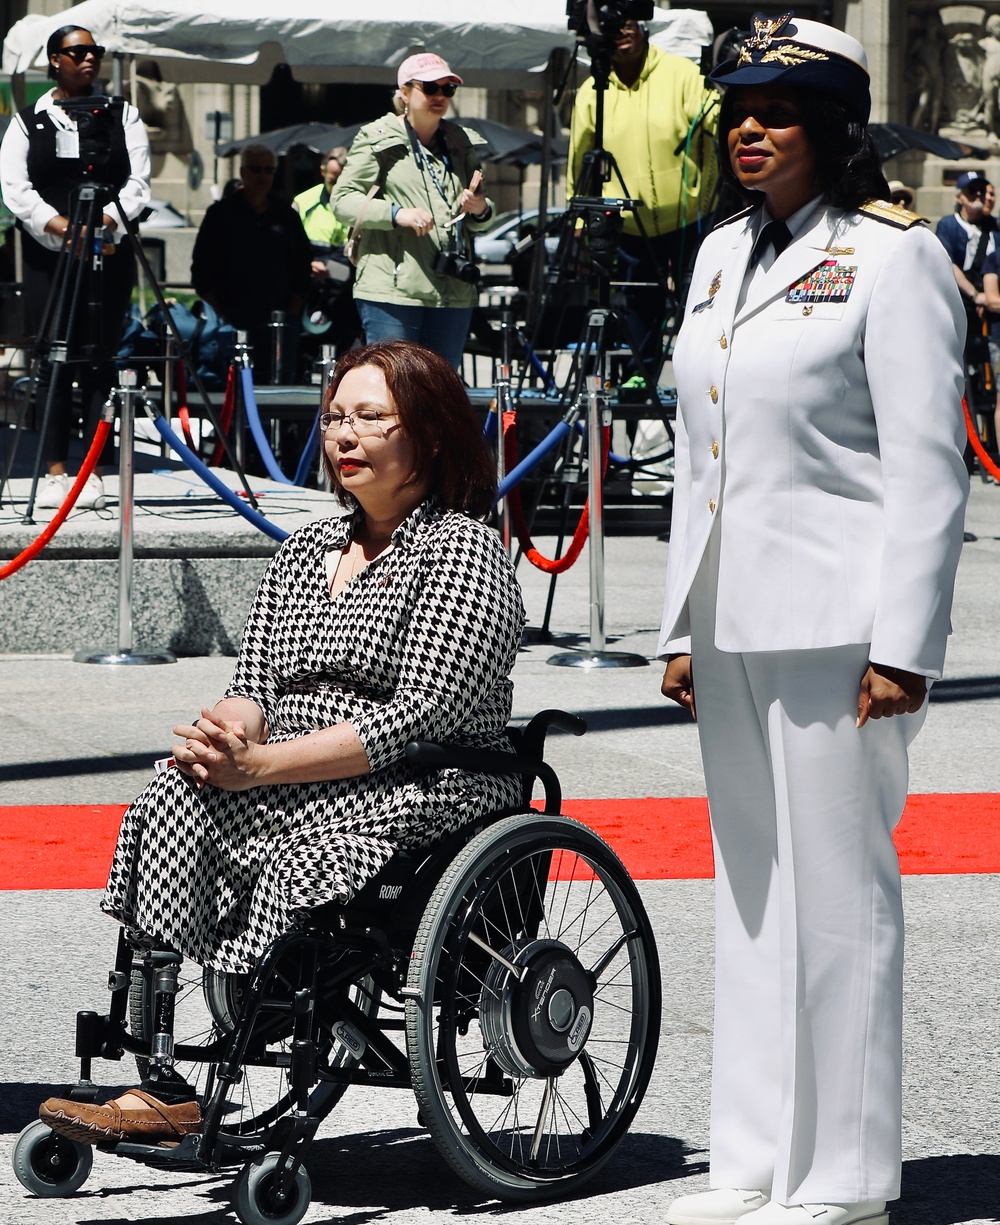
(473, 198)
(218, 752)
(889, 691)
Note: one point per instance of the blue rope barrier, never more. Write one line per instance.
(535, 457)
(308, 453)
(213, 482)
(257, 430)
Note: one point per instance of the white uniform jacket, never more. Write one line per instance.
(823, 422)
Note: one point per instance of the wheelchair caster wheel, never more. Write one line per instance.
(47, 1164)
(257, 1199)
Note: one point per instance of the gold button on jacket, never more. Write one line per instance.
(714, 393)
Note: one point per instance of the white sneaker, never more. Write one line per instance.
(92, 494)
(722, 1206)
(52, 492)
(870, 1212)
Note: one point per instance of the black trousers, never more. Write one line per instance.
(99, 320)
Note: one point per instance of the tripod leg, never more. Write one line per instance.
(53, 350)
(182, 348)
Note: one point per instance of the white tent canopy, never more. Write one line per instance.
(220, 40)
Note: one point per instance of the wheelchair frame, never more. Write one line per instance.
(497, 993)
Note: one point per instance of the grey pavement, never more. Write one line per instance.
(73, 733)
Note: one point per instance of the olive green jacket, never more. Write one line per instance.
(396, 265)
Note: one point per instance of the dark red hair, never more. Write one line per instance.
(437, 419)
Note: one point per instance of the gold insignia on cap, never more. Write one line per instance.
(762, 46)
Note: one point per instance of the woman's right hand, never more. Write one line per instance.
(678, 683)
(417, 219)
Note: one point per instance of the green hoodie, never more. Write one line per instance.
(643, 128)
(396, 265)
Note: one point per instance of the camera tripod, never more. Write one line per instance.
(70, 327)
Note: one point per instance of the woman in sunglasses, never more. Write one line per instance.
(397, 620)
(40, 166)
(414, 186)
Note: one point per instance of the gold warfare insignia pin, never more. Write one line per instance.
(716, 284)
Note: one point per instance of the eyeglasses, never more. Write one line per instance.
(260, 169)
(79, 52)
(364, 421)
(433, 88)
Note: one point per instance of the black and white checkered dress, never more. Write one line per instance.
(419, 646)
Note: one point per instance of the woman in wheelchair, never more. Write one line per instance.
(396, 621)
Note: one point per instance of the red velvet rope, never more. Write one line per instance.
(977, 443)
(39, 543)
(228, 404)
(557, 565)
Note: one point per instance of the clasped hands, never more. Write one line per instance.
(219, 752)
(884, 691)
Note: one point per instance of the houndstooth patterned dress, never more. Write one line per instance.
(419, 646)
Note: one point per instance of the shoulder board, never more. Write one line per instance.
(891, 214)
(745, 212)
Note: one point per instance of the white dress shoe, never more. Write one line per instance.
(871, 1212)
(722, 1206)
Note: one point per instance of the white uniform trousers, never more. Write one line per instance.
(807, 1067)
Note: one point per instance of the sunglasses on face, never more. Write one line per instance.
(433, 88)
(80, 51)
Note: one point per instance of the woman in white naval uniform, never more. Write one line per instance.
(817, 525)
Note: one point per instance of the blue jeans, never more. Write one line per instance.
(441, 328)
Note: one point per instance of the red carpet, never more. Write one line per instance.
(70, 846)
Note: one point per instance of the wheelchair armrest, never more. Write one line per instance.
(429, 756)
(433, 756)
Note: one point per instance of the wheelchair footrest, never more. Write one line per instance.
(187, 1154)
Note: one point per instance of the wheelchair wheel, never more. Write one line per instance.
(257, 1194)
(534, 1024)
(208, 1005)
(49, 1165)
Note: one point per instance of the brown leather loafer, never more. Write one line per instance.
(91, 1124)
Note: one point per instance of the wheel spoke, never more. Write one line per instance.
(543, 1110)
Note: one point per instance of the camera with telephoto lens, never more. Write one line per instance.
(602, 20)
(451, 263)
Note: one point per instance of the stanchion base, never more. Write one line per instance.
(598, 659)
(124, 657)
(531, 635)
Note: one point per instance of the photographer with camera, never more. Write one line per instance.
(413, 186)
(48, 151)
(660, 120)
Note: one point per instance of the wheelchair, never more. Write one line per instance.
(507, 976)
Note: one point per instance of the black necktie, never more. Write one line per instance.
(775, 234)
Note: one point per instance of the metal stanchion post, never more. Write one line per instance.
(503, 406)
(277, 326)
(127, 395)
(598, 416)
(168, 388)
(242, 360)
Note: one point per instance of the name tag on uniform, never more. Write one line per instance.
(829, 282)
(67, 143)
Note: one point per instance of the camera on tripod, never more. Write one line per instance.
(599, 22)
(453, 263)
(97, 119)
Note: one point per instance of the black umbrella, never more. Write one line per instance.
(513, 145)
(319, 137)
(893, 138)
(505, 144)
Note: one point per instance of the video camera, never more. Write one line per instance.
(598, 22)
(97, 119)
